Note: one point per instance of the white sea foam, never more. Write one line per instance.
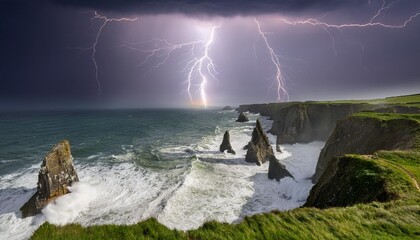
(66, 208)
(217, 186)
(225, 188)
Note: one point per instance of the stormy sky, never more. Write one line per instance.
(46, 51)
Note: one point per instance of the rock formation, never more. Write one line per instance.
(227, 108)
(226, 143)
(259, 149)
(278, 149)
(304, 122)
(367, 133)
(349, 180)
(242, 117)
(276, 170)
(56, 174)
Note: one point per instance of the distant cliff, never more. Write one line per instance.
(304, 122)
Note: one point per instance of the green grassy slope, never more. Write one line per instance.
(411, 100)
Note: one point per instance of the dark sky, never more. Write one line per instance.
(42, 61)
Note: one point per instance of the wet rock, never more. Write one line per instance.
(259, 149)
(276, 170)
(56, 174)
(242, 118)
(226, 143)
(227, 108)
(189, 151)
(278, 149)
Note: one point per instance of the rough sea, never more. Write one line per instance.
(137, 164)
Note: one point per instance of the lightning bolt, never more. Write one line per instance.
(105, 20)
(200, 64)
(199, 67)
(371, 23)
(282, 94)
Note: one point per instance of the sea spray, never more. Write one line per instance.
(66, 208)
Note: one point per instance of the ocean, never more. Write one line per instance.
(137, 164)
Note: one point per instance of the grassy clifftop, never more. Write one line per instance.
(368, 132)
(412, 100)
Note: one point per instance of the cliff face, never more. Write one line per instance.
(349, 180)
(56, 174)
(304, 122)
(366, 134)
(271, 110)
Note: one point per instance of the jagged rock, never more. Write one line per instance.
(276, 170)
(242, 117)
(226, 143)
(278, 149)
(259, 149)
(56, 174)
(227, 108)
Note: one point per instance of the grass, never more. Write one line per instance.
(410, 122)
(388, 116)
(408, 160)
(409, 100)
(397, 219)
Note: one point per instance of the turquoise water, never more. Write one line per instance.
(137, 164)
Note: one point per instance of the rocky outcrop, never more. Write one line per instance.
(226, 108)
(242, 117)
(302, 123)
(265, 109)
(349, 180)
(259, 148)
(366, 133)
(276, 170)
(278, 149)
(226, 143)
(56, 174)
(295, 122)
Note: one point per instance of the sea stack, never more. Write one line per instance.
(242, 117)
(227, 108)
(276, 170)
(226, 143)
(259, 149)
(56, 174)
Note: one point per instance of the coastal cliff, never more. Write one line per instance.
(304, 122)
(368, 132)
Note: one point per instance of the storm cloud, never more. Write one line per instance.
(46, 51)
(211, 7)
